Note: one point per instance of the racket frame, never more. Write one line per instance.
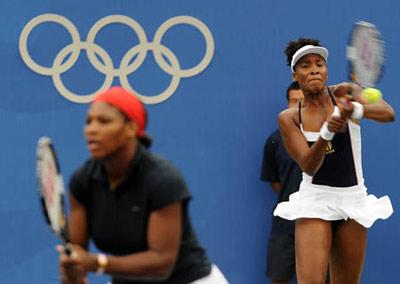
(365, 76)
(46, 147)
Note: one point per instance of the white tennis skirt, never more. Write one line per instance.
(335, 203)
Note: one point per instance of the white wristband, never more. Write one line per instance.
(358, 111)
(325, 133)
(102, 262)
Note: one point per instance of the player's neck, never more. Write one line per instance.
(118, 163)
(316, 99)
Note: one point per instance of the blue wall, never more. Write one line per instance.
(213, 127)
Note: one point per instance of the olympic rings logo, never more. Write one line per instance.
(106, 66)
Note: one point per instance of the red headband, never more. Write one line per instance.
(127, 103)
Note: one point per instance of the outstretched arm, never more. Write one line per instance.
(380, 111)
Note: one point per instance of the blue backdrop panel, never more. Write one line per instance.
(212, 126)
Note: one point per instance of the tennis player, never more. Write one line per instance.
(332, 209)
(132, 204)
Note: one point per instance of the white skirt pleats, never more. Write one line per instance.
(335, 203)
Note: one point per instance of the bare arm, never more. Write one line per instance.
(308, 158)
(276, 186)
(380, 111)
(77, 223)
(70, 270)
(164, 236)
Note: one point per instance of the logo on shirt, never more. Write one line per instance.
(136, 209)
(329, 148)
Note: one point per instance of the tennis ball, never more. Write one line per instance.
(372, 95)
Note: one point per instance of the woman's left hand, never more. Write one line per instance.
(342, 90)
(348, 90)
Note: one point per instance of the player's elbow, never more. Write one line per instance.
(391, 116)
(165, 265)
(310, 167)
(310, 172)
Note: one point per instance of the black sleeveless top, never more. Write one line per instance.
(338, 168)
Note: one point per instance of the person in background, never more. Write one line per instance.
(284, 176)
(132, 204)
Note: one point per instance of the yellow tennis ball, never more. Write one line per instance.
(372, 95)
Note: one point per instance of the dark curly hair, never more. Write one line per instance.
(294, 45)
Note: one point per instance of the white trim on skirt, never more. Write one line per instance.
(215, 277)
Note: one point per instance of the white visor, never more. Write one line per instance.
(308, 49)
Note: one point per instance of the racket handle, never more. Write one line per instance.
(64, 236)
(67, 249)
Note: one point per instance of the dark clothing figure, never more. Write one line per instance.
(117, 219)
(277, 166)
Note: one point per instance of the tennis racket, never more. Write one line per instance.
(51, 190)
(365, 54)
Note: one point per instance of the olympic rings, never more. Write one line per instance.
(62, 62)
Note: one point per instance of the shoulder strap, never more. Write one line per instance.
(299, 113)
(331, 96)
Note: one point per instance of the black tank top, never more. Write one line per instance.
(338, 167)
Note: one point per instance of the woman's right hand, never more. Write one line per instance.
(337, 123)
(71, 271)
